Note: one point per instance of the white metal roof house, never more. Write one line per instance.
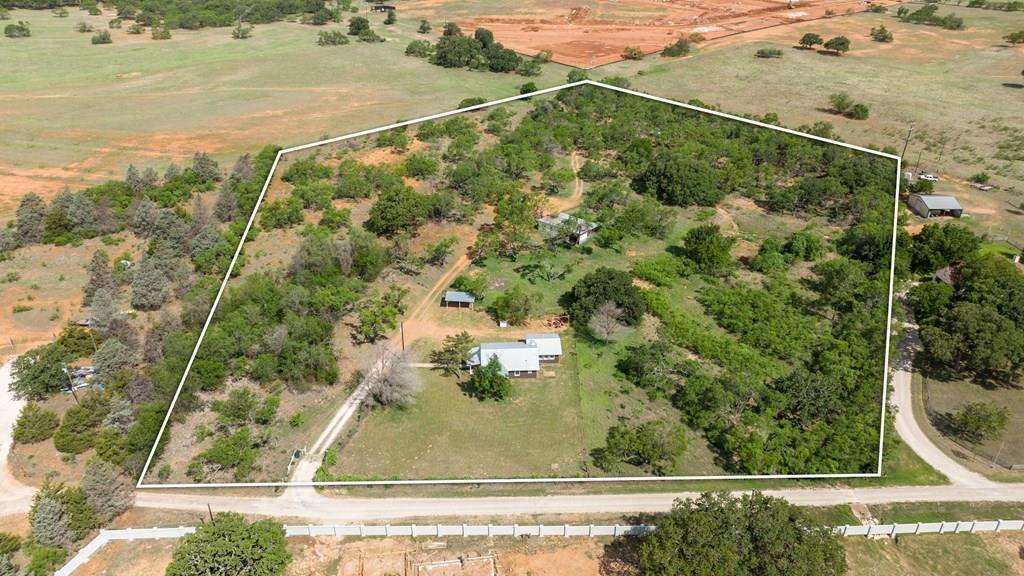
(549, 345)
(580, 228)
(517, 359)
(928, 205)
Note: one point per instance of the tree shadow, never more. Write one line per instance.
(1015, 85)
(832, 53)
(620, 558)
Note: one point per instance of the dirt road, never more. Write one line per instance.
(415, 327)
(14, 496)
(910, 430)
(306, 503)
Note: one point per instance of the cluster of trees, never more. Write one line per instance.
(751, 534)
(974, 326)
(62, 515)
(929, 14)
(230, 544)
(881, 34)
(796, 383)
(654, 446)
(188, 251)
(836, 45)
(478, 52)
(1011, 6)
(841, 103)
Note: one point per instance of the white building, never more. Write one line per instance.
(519, 359)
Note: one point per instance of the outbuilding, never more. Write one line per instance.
(458, 299)
(930, 205)
(578, 229)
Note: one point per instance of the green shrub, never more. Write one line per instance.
(35, 424)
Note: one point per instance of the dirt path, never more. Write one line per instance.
(414, 328)
(14, 495)
(910, 430)
(564, 204)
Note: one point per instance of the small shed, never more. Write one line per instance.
(549, 345)
(458, 299)
(947, 275)
(930, 205)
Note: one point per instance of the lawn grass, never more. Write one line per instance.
(909, 512)
(943, 398)
(447, 434)
(946, 554)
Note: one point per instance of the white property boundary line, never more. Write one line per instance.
(252, 217)
(514, 531)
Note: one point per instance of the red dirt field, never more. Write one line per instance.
(596, 32)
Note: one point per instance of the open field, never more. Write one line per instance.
(82, 120)
(594, 32)
(955, 87)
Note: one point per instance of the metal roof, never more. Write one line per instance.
(513, 356)
(939, 202)
(547, 343)
(457, 296)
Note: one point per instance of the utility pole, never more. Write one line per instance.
(906, 141)
(210, 510)
(71, 383)
(401, 328)
(917, 167)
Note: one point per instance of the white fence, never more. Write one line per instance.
(968, 527)
(514, 530)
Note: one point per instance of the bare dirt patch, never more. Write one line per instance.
(586, 36)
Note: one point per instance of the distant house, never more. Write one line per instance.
(382, 8)
(549, 345)
(929, 205)
(457, 299)
(579, 229)
(517, 359)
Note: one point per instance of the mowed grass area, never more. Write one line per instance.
(946, 554)
(942, 398)
(948, 84)
(447, 434)
(77, 114)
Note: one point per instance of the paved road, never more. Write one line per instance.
(909, 429)
(14, 496)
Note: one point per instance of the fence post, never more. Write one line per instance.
(387, 530)
(590, 530)
(488, 530)
(362, 530)
(565, 530)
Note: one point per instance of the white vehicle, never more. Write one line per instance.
(928, 177)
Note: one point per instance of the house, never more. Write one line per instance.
(579, 230)
(929, 205)
(457, 299)
(549, 345)
(382, 8)
(520, 359)
(517, 359)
